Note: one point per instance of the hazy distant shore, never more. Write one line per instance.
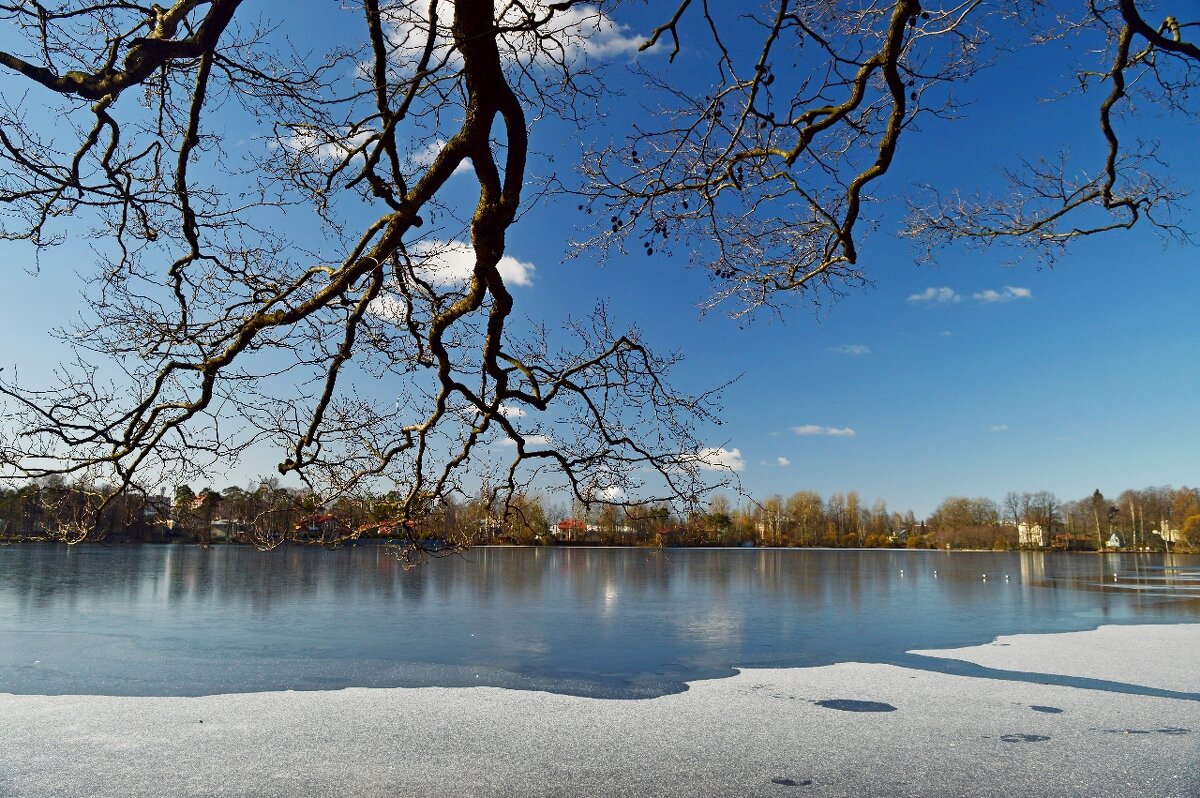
(1120, 718)
(375, 541)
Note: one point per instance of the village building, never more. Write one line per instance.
(571, 530)
(1168, 533)
(322, 527)
(1039, 536)
(1031, 536)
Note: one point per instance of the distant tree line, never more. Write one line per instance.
(266, 515)
(1154, 517)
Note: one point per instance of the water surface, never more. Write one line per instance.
(182, 620)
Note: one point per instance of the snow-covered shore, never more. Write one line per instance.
(849, 729)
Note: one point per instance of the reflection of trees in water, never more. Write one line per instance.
(594, 619)
(1148, 575)
(239, 576)
(39, 575)
(798, 581)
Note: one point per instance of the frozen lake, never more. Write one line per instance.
(616, 623)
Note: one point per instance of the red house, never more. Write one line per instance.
(571, 529)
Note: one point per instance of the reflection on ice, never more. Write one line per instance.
(603, 622)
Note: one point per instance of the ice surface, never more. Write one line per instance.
(1153, 656)
(760, 733)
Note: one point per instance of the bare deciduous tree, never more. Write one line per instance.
(214, 325)
(204, 315)
(768, 179)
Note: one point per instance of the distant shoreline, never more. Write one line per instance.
(373, 541)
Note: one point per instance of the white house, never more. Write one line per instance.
(1031, 536)
(1168, 533)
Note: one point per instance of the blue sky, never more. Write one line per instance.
(1012, 376)
(974, 377)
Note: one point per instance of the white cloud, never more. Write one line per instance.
(613, 493)
(512, 411)
(715, 458)
(935, 296)
(597, 34)
(322, 147)
(783, 461)
(817, 429)
(530, 440)
(854, 350)
(423, 157)
(569, 34)
(999, 427)
(326, 149)
(391, 309)
(1008, 294)
(445, 263)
